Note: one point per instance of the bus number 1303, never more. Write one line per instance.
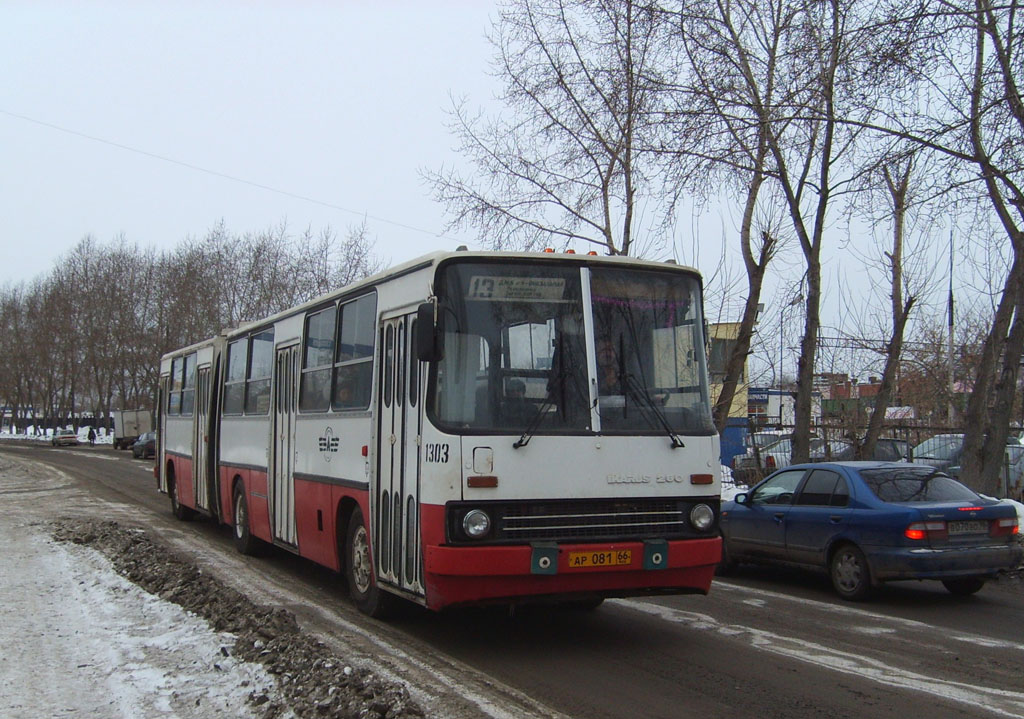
(437, 453)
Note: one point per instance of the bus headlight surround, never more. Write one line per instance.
(702, 517)
(476, 523)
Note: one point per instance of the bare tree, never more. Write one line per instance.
(326, 262)
(567, 159)
(720, 134)
(798, 66)
(897, 175)
(967, 109)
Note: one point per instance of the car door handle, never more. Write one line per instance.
(779, 516)
(835, 519)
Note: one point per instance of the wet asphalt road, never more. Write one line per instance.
(764, 643)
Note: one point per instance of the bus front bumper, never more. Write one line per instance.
(542, 571)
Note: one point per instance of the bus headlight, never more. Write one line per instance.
(476, 523)
(702, 517)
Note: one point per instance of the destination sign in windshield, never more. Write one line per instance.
(504, 288)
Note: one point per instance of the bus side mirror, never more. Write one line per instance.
(428, 333)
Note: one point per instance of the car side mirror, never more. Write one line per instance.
(742, 498)
(428, 333)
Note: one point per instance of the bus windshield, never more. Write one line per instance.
(516, 354)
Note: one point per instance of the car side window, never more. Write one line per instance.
(779, 489)
(841, 493)
(818, 489)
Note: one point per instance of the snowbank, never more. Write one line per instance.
(44, 435)
(79, 640)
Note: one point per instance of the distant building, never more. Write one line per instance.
(723, 339)
(770, 407)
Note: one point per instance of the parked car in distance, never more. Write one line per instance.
(751, 467)
(886, 450)
(1011, 473)
(779, 454)
(762, 438)
(64, 438)
(145, 446)
(940, 451)
(865, 523)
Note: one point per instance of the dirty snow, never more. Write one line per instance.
(81, 641)
(99, 620)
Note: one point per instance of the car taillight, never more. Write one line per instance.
(769, 462)
(1003, 527)
(926, 530)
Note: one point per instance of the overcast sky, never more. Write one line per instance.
(158, 119)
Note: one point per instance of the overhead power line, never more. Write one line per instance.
(222, 175)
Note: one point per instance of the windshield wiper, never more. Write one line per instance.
(557, 384)
(639, 390)
(535, 421)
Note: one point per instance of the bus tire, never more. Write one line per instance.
(179, 510)
(244, 541)
(362, 585)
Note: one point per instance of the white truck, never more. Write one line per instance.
(129, 424)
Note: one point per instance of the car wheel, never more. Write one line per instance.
(177, 508)
(244, 541)
(727, 565)
(850, 573)
(362, 585)
(963, 587)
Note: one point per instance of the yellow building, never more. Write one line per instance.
(723, 339)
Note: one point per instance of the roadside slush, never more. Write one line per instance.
(99, 620)
(81, 641)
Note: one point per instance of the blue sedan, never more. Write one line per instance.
(871, 522)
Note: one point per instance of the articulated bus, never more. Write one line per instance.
(466, 428)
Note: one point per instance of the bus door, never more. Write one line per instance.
(396, 529)
(201, 439)
(281, 486)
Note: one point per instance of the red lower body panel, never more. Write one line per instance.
(182, 469)
(462, 575)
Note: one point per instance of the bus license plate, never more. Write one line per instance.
(975, 527)
(614, 558)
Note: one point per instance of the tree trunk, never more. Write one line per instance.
(977, 419)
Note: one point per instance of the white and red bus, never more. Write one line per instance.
(468, 427)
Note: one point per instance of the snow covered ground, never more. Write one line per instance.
(81, 641)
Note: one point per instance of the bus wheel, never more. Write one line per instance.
(369, 598)
(177, 508)
(244, 541)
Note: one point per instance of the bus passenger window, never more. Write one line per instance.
(234, 383)
(261, 361)
(353, 364)
(317, 356)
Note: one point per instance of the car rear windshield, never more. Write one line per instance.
(916, 484)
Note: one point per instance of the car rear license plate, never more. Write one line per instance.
(613, 558)
(969, 527)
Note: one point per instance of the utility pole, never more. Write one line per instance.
(952, 381)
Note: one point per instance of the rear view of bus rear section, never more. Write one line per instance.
(466, 428)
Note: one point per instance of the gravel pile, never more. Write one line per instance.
(314, 681)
